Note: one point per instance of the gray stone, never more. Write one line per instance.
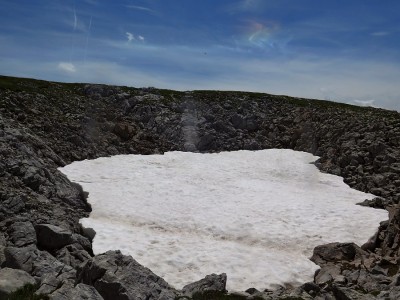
(21, 234)
(238, 121)
(20, 258)
(79, 292)
(52, 237)
(211, 283)
(54, 279)
(119, 277)
(12, 280)
(336, 252)
(326, 274)
(13, 204)
(36, 262)
(344, 293)
(73, 256)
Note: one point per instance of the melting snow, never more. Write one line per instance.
(254, 215)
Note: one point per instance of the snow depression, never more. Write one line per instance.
(255, 215)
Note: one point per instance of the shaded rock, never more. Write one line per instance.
(12, 280)
(377, 202)
(326, 274)
(53, 281)
(116, 276)
(238, 121)
(124, 130)
(79, 292)
(20, 258)
(247, 123)
(336, 252)
(209, 284)
(73, 256)
(21, 234)
(205, 142)
(344, 293)
(13, 204)
(38, 263)
(52, 237)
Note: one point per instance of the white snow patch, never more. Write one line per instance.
(254, 215)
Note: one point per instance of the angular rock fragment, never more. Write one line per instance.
(210, 284)
(119, 277)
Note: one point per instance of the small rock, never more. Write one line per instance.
(22, 234)
(124, 130)
(211, 283)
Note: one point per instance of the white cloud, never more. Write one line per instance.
(380, 33)
(68, 67)
(141, 38)
(364, 102)
(129, 36)
(142, 8)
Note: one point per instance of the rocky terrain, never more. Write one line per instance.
(45, 125)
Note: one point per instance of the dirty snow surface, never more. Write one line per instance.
(254, 215)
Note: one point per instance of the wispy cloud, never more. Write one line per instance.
(246, 6)
(142, 8)
(129, 36)
(67, 67)
(380, 33)
(75, 20)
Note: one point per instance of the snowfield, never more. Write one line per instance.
(254, 215)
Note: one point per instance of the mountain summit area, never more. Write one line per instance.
(45, 251)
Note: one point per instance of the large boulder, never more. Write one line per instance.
(51, 237)
(39, 264)
(119, 277)
(337, 252)
(12, 280)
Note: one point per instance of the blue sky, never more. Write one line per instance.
(339, 50)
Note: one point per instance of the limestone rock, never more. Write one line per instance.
(124, 130)
(12, 280)
(79, 292)
(52, 237)
(336, 252)
(22, 234)
(211, 283)
(119, 277)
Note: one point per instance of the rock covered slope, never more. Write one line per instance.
(45, 125)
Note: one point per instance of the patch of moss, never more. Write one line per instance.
(27, 293)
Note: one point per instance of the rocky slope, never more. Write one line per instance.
(45, 125)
